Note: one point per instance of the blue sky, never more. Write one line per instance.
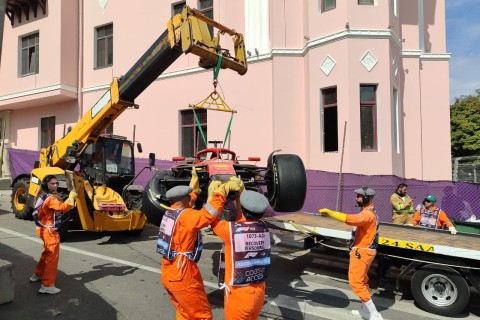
(463, 43)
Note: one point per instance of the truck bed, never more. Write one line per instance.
(442, 242)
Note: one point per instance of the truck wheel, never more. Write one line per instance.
(64, 227)
(286, 182)
(21, 209)
(154, 195)
(440, 290)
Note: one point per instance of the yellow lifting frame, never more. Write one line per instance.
(213, 101)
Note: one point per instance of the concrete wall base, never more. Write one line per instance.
(5, 183)
(7, 282)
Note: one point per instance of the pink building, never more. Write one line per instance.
(374, 69)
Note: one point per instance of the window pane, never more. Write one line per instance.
(100, 53)
(365, 1)
(367, 93)
(187, 117)
(47, 131)
(24, 61)
(187, 141)
(328, 4)
(330, 96)
(177, 8)
(200, 143)
(367, 122)
(109, 30)
(206, 4)
(202, 116)
(330, 129)
(110, 51)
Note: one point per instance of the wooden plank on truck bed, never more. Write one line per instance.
(406, 237)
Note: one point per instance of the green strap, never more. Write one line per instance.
(216, 70)
(228, 129)
(200, 128)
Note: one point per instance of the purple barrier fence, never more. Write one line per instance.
(22, 161)
(459, 200)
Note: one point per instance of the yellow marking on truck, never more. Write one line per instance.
(405, 244)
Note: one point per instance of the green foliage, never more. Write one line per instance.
(465, 125)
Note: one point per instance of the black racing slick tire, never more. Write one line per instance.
(287, 182)
(154, 197)
(440, 290)
(20, 205)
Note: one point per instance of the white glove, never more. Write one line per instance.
(452, 230)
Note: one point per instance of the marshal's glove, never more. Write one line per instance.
(452, 230)
(233, 185)
(214, 185)
(194, 182)
(71, 198)
(334, 214)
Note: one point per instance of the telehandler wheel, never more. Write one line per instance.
(287, 182)
(20, 207)
(440, 290)
(154, 195)
(64, 227)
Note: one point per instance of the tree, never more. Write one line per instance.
(465, 125)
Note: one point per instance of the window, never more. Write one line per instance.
(330, 120)
(104, 46)
(177, 7)
(192, 139)
(29, 54)
(206, 7)
(47, 131)
(368, 114)
(367, 2)
(327, 5)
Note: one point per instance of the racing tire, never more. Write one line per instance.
(440, 290)
(20, 207)
(154, 196)
(287, 186)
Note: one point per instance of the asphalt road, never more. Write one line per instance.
(116, 276)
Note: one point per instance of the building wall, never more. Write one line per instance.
(278, 99)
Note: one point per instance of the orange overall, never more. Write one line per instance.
(240, 302)
(363, 251)
(181, 277)
(47, 266)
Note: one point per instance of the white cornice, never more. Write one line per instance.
(293, 52)
(101, 87)
(38, 91)
(435, 56)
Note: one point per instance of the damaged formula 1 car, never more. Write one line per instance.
(283, 181)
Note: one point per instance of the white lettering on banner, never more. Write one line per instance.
(167, 226)
(254, 272)
(252, 242)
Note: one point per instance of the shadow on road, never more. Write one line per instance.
(74, 302)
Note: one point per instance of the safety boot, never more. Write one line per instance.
(34, 278)
(362, 312)
(49, 290)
